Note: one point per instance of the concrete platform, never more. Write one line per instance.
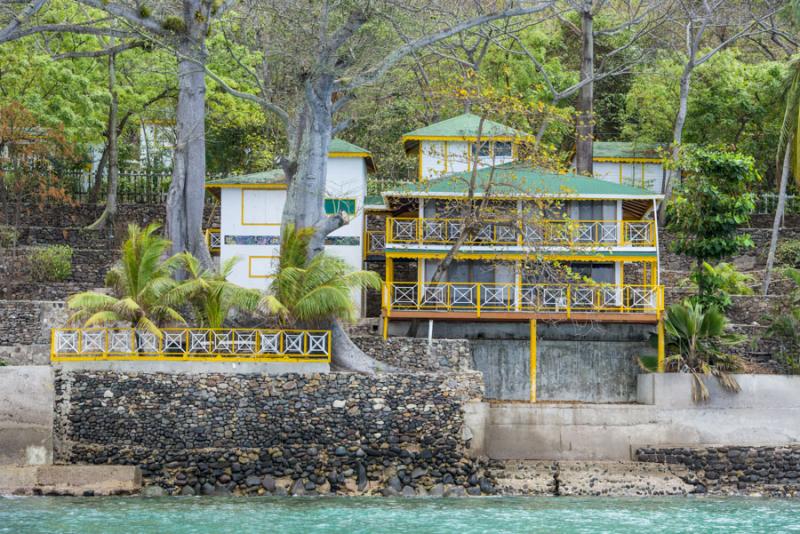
(69, 479)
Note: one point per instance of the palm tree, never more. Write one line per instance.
(141, 283)
(695, 337)
(317, 293)
(210, 294)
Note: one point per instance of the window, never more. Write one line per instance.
(483, 148)
(338, 205)
(502, 150)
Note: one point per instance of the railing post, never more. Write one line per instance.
(478, 295)
(569, 300)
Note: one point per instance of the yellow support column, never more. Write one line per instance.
(533, 360)
(661, 345)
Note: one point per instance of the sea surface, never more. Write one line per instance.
(307, 515)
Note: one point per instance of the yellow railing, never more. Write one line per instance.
(560, 233)
(375, 242)
(510, 297)
(213, 240)
(227, 344)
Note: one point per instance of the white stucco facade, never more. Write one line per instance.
(642, 173)
(438, 158)
(250, 223)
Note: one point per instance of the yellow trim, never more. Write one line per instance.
(250, 266)
(533, 359)
(627, 160)
(459, 138)
(248, 186)
(628, 299)
(385, 328)
(511, 257)
(419, 164)
(661, 346)
(160, 355)
(445, 150)
(241, 213)
(349, 155)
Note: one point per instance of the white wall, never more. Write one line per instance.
(435, 165)
(647, 175)
(263, 209)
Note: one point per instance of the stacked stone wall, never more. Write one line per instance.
(417, 354)
(735, 469)
(223, 433)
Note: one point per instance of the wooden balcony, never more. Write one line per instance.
(512, 233)
(509, 301)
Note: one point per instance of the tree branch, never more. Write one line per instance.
(393, 58)
(100, 53)
(29, 11)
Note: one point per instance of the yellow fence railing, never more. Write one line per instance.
(572, 233)
(228, 344)
(375, 242)
(213, 240)
(510, 297)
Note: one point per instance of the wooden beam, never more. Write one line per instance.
(601, 317)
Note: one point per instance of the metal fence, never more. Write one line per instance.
(767, 203)
(134, 187)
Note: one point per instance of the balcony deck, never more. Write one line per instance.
(515, 302)
(560, 234)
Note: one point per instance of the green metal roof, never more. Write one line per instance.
(466, 125)
(340, 145)
(274, 176)
(625, 150)
(515, 179)
(373, 200)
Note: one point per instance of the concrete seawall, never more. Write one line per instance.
(26, 415)
(765, 412)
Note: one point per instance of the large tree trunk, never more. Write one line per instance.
(677, 138)
(106, 219)
(186, 196)
(584, 128)
(778, 221)
(306, 170)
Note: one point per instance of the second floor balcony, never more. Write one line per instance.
(514, 233)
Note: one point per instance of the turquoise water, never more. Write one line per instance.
(183, 515)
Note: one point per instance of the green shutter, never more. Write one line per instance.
(338, 205)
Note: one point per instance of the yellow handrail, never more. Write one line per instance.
(203, 344)
(500, 296)
(552, 232)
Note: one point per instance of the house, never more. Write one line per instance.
(251, 207)
(451, 145)
(554, 261)
(629, 163)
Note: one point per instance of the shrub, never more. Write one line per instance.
(51, 264)
(788, 253)
(8, 236)
(716, 284)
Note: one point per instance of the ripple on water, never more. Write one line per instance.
(184, 515)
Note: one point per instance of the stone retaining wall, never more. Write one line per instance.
(773, 470)
(417, 354)
(215, 433)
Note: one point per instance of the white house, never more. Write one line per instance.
(451, 145)
(251, 207)
(629, 163)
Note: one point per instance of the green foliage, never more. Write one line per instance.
(733, 101)
(788, 253)
(715, 285)
(51, 264)
(696, 337)
(142, 283)
(708, 209)
(8, 236)
(313, 292)
(212, 297)
(784, 324)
